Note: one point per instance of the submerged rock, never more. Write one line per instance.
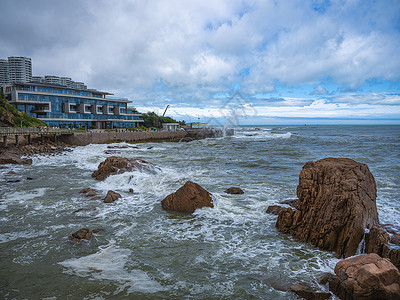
(117, 165)
(234, 190)
(188, 198)
(308, 292)
(111, 196)
(336, 204)
(81, 234)
(366, 277)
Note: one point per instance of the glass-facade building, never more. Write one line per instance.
(61, 106)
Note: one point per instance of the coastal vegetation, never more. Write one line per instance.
(151, 119)
(11, 117)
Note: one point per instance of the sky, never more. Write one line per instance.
(219, 61)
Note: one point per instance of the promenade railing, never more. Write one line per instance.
(32, 130)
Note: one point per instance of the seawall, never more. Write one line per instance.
(86, 138)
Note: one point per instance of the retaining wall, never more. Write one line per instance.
(86, 138)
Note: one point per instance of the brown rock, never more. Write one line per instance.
(366, 277)
(188, 198)
(274, 209)
(336, 204)
(91, 194)
(87, 190)
(234, 190)
(117, 165)
(13, 158)
(81, 234)
(292, 202)
(379, 241)
(307, 292)
(111, 196)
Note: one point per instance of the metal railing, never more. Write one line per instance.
(33, 130)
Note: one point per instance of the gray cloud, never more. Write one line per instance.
(199, 48)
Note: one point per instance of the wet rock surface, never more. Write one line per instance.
(336, 204)
(384, 240)
(234, 190)
(111, 196)
(117, 165)
(188, 198)
(274, 209)
(366, 277)
(308, 292)
(81, 234)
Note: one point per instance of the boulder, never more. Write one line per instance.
(111, 196)
(337, 202)
(386, 244)
(188, 198)
(117, 165)
(366, 277)
(13, 158)
(234, 190)
(81, 234)
(274, 209)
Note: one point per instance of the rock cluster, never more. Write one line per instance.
(366, 277)
(12, 154)
(13, 158)
(188, 198)
(117, 165)
(336, 204)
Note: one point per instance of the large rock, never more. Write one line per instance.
(386, 244)
(336, 204)
(366, 277)
(13, 158)
(117, 165)
(188, 198)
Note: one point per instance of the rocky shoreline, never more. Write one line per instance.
(22, 154)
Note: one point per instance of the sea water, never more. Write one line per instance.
(231, 251)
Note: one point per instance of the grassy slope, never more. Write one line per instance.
(11, 117)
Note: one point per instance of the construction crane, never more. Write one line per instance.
(165, 110)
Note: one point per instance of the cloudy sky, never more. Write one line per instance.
(258, 61)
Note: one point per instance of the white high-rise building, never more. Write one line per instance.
(19, 69)
(4, 76)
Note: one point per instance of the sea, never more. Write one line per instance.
(231, 251)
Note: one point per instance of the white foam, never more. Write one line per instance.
(22, 196)
(26, 234)
(109, 264)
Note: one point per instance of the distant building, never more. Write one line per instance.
(61, 106)
(4, 77)
(63, 81)
(15, 69)
(170, 126)
(19, 69)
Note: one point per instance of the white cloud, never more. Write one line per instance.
(187, 51)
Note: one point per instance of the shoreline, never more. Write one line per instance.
(22, 152)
